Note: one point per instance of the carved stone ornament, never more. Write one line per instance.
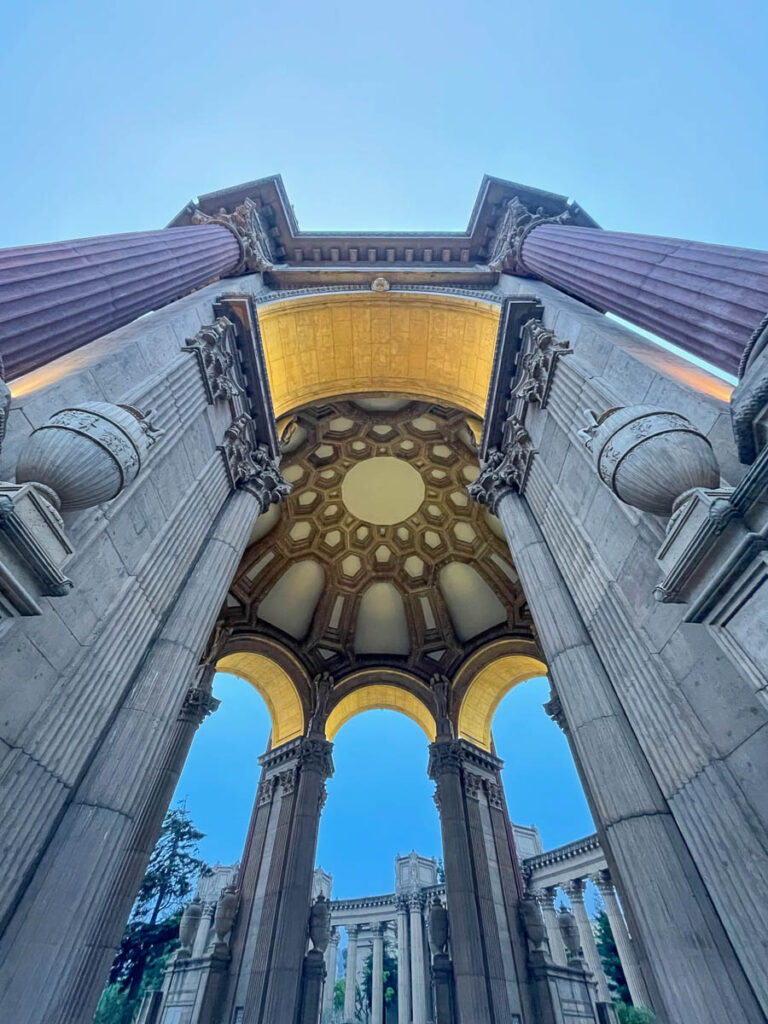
(320, 923)
(188, 925)
(533, 922)
(542, 351)
(554, 709)
(504, 469)
(566, 922)
(379, 284)
(248, 228)
(649, 457)
(33, 548)
(749, 401)
(5, 404)
(441, 690)
(515, 225)
(322, 684)
(87, 454)
(249, 466)
(198, 704)
(214, 346)
(224, 915)
(437, 926)
(315, 755)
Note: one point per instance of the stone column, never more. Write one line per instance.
(418, 986)
(575, 892)
(624, 945)
(351, 982)
(403, 964)
(56, 297)
(99, 852)
(546, 900)
(330, 963)
(708, 299)
(690, 979)
(377, 976)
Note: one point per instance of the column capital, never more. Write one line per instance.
(199, 702)
(574, 889)
(545, 897)
(455, 756)
(554, 709)
(514, 227)
(401, 904)
(353, 930)
(215, 346)
(416, 902)
(604, 881)
(250, 466)
(252, 236)
(335, 936)
(541, 350)
(505, 469)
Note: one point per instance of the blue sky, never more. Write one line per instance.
(380, 799)
(653, 115)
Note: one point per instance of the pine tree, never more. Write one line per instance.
(609, 955)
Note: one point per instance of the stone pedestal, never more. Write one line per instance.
(442, 986)
(562, 995)
(312, 980)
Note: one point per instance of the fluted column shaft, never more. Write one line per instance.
(377, 977)
(403, 965)
(575, 891)
(418, 986)
(351, 976)
(707, 299)
(624, 946)
(665, 895)
(546, 900)
(56, 297)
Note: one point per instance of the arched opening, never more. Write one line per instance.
(486, 690)
(275, 686)
(381, 696)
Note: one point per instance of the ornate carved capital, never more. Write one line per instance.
(198, 704)
(495, 798)
(214, 346)
(265, 791)
(286, 780)
(249, 466)
(416, 902)
(554, 709)
(444, 758)
(5, 404)
(473, 785)
(315, 756)
(574, 889)
(515, 225)
(542, 351)
(248, 228)
(505, 469)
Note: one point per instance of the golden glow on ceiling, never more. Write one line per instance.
(486, 690)
(275, 686)
(382, 697)
(433, 347)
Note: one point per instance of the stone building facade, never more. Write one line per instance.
(385, 470)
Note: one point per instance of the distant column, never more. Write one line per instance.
(546, 900)
(377, 978)
(351, 983)
(418, 986)
(624, 946)
(403, 964)
(575, 892)
(331, 963)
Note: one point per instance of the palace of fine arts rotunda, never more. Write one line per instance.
(398, 470)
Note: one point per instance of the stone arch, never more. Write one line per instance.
(387, 690)
(485, 679)
(271, 673)
(421, 345)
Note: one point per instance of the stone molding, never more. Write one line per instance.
(516, 224)
(252, 236)
(504, 469)
(541, 351)
(215, 346)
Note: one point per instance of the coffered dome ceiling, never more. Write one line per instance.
(378, 556)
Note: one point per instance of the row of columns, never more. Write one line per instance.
(707, 299)
(412, 995)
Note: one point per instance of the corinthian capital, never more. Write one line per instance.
(514, 226)
(505, 468)
(215, 345)
(248, 228)
(542, 350)
(198, 704)
(249, 465)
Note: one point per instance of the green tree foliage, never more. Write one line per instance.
(339, 991)
(635, 1015)
(389, 975)
(152, 931)
(609, 955)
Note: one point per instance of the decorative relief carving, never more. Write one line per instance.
(315, 755)
(198, 704)
(554, 709)
(249, 466)
(286, 780)
(473, 785)
(5, 404)
(514, 227)
(322, 684)
(441, 689)
(252, 236)
(214, 346)
(506, 468)
(542, 351)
